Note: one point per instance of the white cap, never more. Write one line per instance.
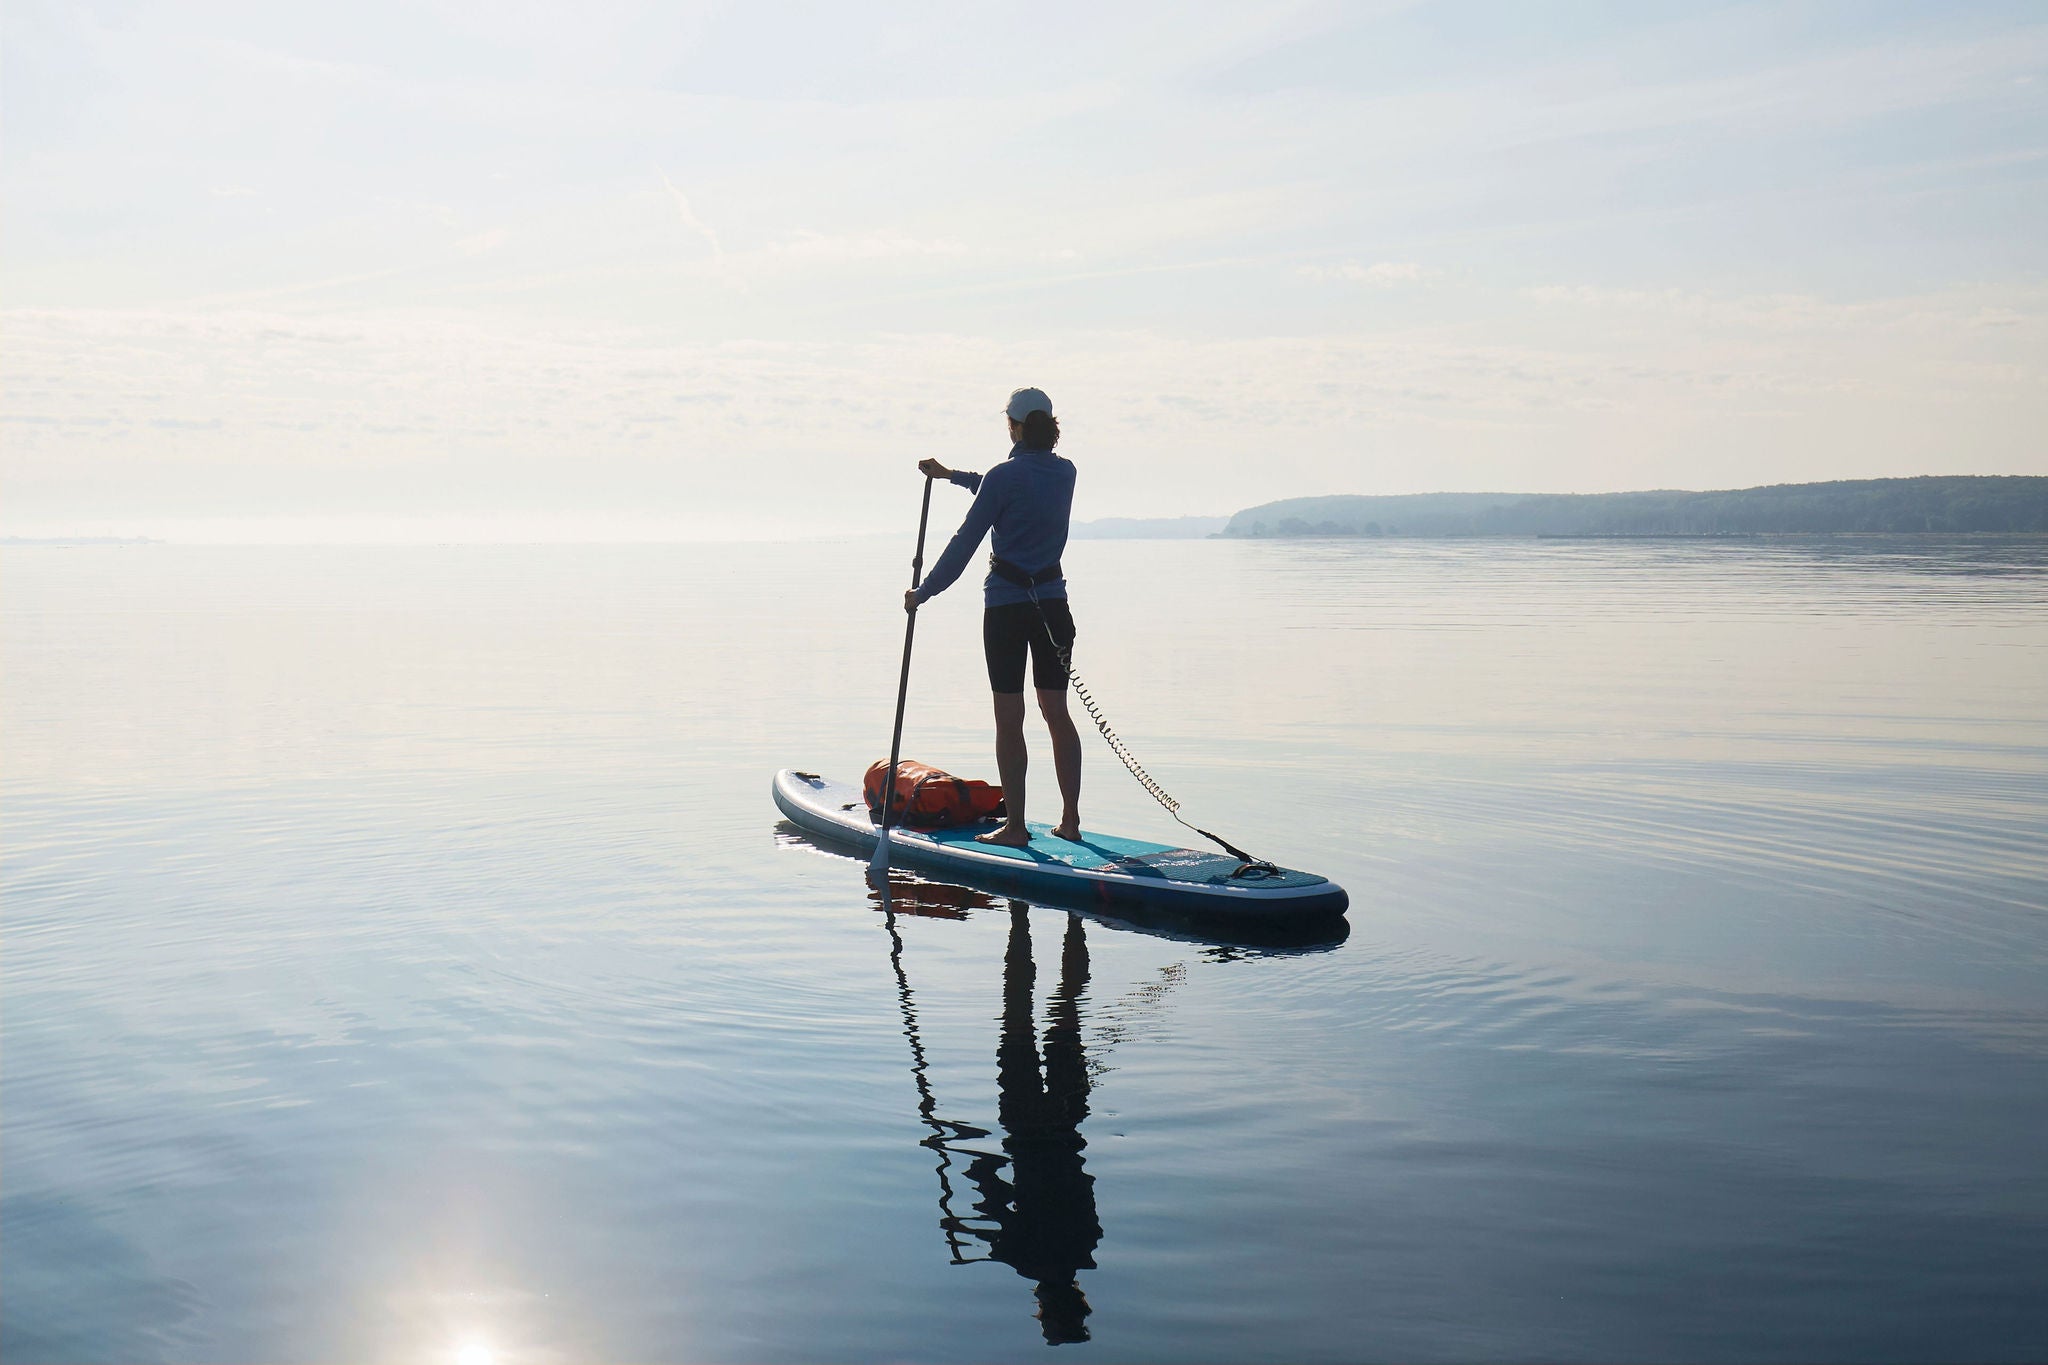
(1024, 402)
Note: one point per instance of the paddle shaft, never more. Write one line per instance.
(924, 513)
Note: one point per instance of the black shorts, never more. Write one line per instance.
(1007, 633)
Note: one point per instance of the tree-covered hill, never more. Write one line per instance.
(1948, 503)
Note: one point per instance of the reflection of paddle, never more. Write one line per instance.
(880, 862)
(943, 1131)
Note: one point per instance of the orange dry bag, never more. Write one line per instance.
(927, 798)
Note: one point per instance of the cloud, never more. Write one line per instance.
(1379, 275)
(483, 243)
(128, 413)
(1776, 312)
(1942, 320)
(689, 217)
(872, 246)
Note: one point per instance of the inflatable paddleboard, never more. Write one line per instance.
(1096, 869)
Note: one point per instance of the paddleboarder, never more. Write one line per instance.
(1023, 504)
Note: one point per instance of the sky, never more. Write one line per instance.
(452, 270)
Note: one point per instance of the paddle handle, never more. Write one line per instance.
(880, 861)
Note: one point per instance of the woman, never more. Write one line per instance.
(1025, 502)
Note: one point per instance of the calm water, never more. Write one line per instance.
(404, 962)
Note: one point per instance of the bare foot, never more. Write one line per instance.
(1070, 830)
(1009, 836)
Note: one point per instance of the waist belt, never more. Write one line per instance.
(1004, 569)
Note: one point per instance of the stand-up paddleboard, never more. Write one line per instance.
(1100, 869)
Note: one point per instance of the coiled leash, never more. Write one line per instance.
(1030, 582)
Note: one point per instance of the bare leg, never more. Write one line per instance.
(1012, 758)
(1066, 759)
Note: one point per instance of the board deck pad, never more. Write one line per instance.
(1108, 868)
(1093, 851)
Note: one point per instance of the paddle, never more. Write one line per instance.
(880, 862)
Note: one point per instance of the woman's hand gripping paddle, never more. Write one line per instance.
(880, 861)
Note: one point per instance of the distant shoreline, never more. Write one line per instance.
(1729, 537)
(1932, 504)
(1945, 505)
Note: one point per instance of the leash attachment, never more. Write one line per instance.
(1030, 582)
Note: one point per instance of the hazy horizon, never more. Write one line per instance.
(624, 531)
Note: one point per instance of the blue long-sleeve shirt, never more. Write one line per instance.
(1025, 501)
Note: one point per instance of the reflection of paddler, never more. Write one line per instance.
(1035, 1207)
(1043, 1215)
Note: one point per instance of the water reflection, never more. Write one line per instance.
(1034, 1201)
(1036, 1208)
